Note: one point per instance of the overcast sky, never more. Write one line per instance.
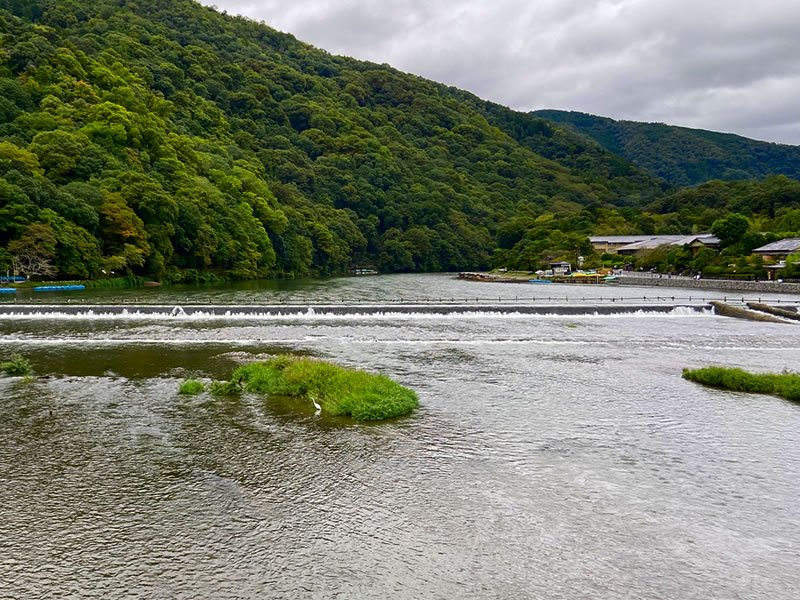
(724, 65)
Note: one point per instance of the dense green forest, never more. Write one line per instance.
(164, 139)
(680, 155)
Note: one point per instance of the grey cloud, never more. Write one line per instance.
(730, 65)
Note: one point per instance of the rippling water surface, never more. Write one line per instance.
(553, 456)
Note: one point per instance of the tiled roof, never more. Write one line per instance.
(786, 245)
(706, 238)
(617, 239)
(656, 240)
(673, 240)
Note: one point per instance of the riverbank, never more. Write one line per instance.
(723, 285)
(526, 277)
(116, 282)
(515, 277)
(766, 287)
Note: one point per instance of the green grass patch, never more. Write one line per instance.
(192, 387)
(339, 391)
(132, 281)
(116, 282)
(225, 388)
(785, 385)
(17, 366)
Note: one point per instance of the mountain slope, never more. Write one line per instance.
(161, 137)
(681, 155)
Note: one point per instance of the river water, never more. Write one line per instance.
(553, 455)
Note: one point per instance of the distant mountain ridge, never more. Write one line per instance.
(680, 155)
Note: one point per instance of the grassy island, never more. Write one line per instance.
(335, 390)
(785, 385)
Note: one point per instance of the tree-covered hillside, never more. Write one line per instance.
(164, 139)
(161, 137)
(681, 155)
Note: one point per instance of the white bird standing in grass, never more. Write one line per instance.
(317, 406)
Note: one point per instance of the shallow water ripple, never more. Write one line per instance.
(551, 457)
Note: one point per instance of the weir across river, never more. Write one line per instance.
(321, 310)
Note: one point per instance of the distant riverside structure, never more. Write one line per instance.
(631, 244)
(363, 271)
(780, 249)
(777, 251)
(561, 268)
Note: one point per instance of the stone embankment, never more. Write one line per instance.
(713, 284)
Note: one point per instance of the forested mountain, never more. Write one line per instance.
(681, 155)
(162, 138)
(160, 135)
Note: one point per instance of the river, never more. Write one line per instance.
(553, 455)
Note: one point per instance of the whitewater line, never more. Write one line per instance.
(184, 316)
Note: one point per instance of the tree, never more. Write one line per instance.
(122, 228)
(730, 229)
(12, 157)
(58, 152)
(6, 260)
(16, 210)
(32, 253)
(703, 258)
